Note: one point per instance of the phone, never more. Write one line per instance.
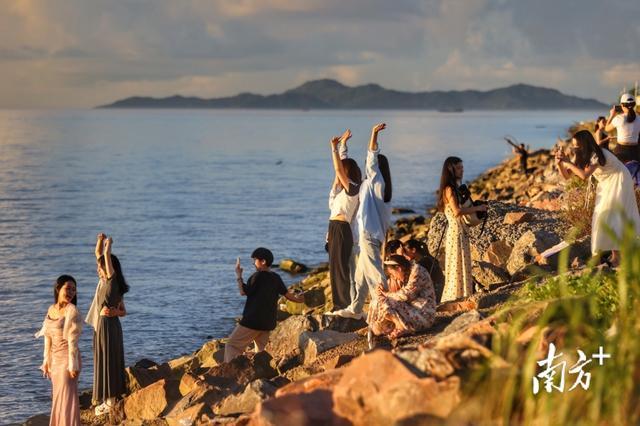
(237, 261)
(618, 108)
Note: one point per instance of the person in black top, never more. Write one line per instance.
(263, 289)
(521, 152)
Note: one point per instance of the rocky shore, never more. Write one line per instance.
(319, 370)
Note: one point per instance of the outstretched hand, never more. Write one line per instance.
(107, 244)
(378, 127)
(346, 136)
(335, 141)
(238, 268)
(101, 236)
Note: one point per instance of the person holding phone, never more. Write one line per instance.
(623, 119)
(262, 290)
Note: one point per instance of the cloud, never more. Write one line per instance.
(91, 51)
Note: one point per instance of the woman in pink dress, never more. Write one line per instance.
(61, 330)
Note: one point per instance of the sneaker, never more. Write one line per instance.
(102, 409)
(348, 313)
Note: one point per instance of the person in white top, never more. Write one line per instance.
(615, 207)
(374, 217)
(343, 203)
(627, 126)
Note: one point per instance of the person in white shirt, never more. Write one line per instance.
(374, 217)
(343, 203)
(627, 126)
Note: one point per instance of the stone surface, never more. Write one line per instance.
(151, 401)
(487, 274)
(325, 381)
(195, 405)
(210, 354)
(284, 339)
(515, 218)
(140, 377)
(37, 420)
(337, 361)
(242, 370)
(343, 325)
(461, 322)
(188, 382)
(245, 402)
(454, 306)
(528, 246)
(313, 343)
(305, 409)
(429, 361)
(497, 253)
(290, 265)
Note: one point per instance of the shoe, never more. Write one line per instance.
(348, 313)
(102, 409)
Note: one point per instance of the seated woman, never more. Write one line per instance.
(417, 252)
(410, 303)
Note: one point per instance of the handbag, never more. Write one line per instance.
(465, 201)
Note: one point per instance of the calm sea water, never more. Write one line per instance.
(183, 193)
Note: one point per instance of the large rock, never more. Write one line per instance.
(284, 339)
(515, 218)
(313, 343)
(343, 325)
(211, 354)
(193, 407)
(292, 266)
(140, 377)
(304, 409)
(429, 361)
(245, 402)
(461, 322)
(37, 420)
(528, 246)
(151, 401)
(242, 370)
(487, 274)
(497, 253)
(325, 381)
(377, 388)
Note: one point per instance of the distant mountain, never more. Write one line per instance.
(331, 94)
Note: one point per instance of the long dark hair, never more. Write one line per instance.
(587, 146)
(401, 261)
(598, 120)
(447, 179)
(383, 162)
(118, 277)
(352, 170)
(60, 282)
(631, 116)
(419, 246)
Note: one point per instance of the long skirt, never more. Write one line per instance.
(109, 378)
(340, 247)
(65, 405)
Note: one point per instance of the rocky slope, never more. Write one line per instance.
(319, 370)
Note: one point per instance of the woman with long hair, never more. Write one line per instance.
(61, 330)
(600, 135)
(417, 252)
(343, 203)
(457, 270)
(627, 126)
(109, 379)
(374, 217)
(409, 303)
(615, 197)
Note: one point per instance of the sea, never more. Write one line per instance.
(183, 193)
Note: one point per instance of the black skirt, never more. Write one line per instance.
(109, 377)
(626, 153)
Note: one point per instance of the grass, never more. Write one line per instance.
(574, 312)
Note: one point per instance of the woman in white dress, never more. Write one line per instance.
(615, 197)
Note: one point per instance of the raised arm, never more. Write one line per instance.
(373, 142)
(239, 278)
(107, 257)
(341, 173)
(609, 126)
(99, 245)
(565, 166)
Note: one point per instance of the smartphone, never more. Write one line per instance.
(618, 108)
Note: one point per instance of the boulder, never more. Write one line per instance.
(429, 361)
(324, 381)
(140, 377)
(245, 402)
(337, 361)
(515, 218)
(151, 401)
(241, 370)
(487, 274)
(314, 408)
(497, 253)
(292, 266)
(191, 408)
(284, 339)
(313, 343)
(343, 325)
(37, 420)
(377, 388)
(188, 382)
(528, 246)
(210, 354)
(461, 322)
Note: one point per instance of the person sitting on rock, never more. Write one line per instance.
(393, 247)
(417, 252)
(410, 303)
(262, 290)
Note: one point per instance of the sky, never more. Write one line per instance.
(84, 53)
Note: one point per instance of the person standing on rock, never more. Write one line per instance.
(262, 290)
(615, 197)
(61, 330)
(109, 378)
(521, 152)
(374, 218)
(602, 138)
(623, 119)
(343, 203)
(457, 270)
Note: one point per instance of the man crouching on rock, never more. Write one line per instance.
(262, 289)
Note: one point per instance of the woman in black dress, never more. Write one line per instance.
(109, 379)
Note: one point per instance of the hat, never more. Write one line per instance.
(391, 262)
(627, 99)
(263, 254)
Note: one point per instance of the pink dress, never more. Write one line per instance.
(61, 354)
